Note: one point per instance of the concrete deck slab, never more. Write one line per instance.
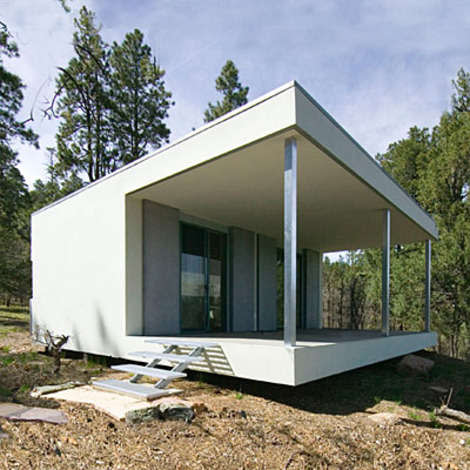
(318, 353)
(113, 404)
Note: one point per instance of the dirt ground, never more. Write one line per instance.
(247, 425)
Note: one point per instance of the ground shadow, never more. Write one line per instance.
(362, 388)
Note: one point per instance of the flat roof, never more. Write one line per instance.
(230, 171)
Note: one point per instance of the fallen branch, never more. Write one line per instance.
(444, 410)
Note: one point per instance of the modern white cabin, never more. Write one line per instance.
(187, 242)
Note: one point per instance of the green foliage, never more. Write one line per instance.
(13, 191)
(234, 94)
(83, 105)
(14, 198)
(24, 388)
(435, 423)
(434, 167)
(111, 102)
(413, 414)
(140, 100)
(54, 188)
(406, 159)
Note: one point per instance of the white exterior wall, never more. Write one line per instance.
(78, 255)
(82, 244)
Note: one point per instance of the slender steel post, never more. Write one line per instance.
(290, 241)
(386, 273)
(427, 289)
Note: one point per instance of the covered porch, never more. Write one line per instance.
(303, 190)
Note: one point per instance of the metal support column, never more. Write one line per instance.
(290, 241)
(427, 289)
(386, 273)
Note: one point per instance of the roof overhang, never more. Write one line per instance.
(230, 172)
(342, 191)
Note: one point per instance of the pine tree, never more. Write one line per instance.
(407, 159)
(13, 192)
(140, 99)
(112, 103)
(445, 191)
(83, 139)
(234, 94)
(14, 200)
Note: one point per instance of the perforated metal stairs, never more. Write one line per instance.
(181, 361)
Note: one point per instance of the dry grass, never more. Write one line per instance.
(248, 425)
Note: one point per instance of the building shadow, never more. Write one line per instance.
(361, 389)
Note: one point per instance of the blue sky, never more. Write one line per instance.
(378, 67)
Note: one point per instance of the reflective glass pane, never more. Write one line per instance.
(216, 280)
(193, 279)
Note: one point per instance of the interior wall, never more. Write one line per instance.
(161, 269)
(242, 279)
(267, 284)
(313, 289)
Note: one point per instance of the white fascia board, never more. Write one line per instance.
(321, 129)
(265, 116)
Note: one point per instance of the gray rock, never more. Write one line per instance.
(143, 415)
(176, 411)
(166, 409)
(412, 364)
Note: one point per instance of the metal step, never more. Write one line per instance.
(146, 392)
(166, 356)
(149, 371)
(179, 342)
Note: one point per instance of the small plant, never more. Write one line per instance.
(377, 400)
(6, 361)
(24, 388)
(435, 423)
(414, 415)
(27, 356)
(239, 395)
(463, 427)
(95, 362)
(5, 349)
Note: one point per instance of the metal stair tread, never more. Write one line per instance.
(179, 342)
(131, 389)
(166, 356)
(149, 371)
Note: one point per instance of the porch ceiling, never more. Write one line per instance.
(244, 188)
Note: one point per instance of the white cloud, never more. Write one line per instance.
(378, 67)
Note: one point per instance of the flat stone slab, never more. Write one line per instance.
(113, 404)
(385, 419)
(16, 412)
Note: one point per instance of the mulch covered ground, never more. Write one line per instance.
(246, 425)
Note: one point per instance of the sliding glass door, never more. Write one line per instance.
(203, 268)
